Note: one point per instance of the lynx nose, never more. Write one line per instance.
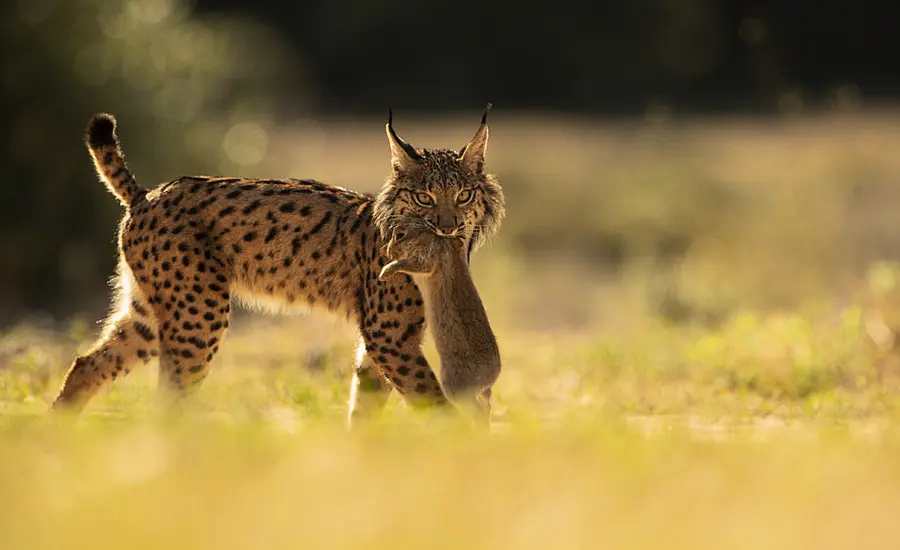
(446, 226)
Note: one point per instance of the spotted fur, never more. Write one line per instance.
(190, 246)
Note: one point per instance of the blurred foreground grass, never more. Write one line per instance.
(203, 484)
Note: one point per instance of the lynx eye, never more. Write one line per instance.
(465, 196)
(423, 199)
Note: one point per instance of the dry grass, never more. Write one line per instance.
(684, 316)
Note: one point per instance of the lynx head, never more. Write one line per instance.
(443, 191)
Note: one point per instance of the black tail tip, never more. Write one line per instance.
(101, 131)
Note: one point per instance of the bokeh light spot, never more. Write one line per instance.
(150, 11)
(140, 72)
(114, 22)
(246, 143)
(179, 99)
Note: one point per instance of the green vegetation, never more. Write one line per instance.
(770, 432)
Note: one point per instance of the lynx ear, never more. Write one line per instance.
(472, 155)
(403, 155)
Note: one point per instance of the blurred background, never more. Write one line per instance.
(678, 160)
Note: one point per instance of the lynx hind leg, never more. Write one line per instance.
(369, 390)
(130, 336)
(193, 322)
(405, 265)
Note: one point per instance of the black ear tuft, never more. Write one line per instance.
(472, 154)
(486, 111)
(397, 141)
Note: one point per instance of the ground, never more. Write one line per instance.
(692, 367)
(766, 433)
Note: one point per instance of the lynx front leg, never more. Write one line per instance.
(397, 353)
(393, 327)
(369, 390)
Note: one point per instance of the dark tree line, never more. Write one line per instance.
(588, 56)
